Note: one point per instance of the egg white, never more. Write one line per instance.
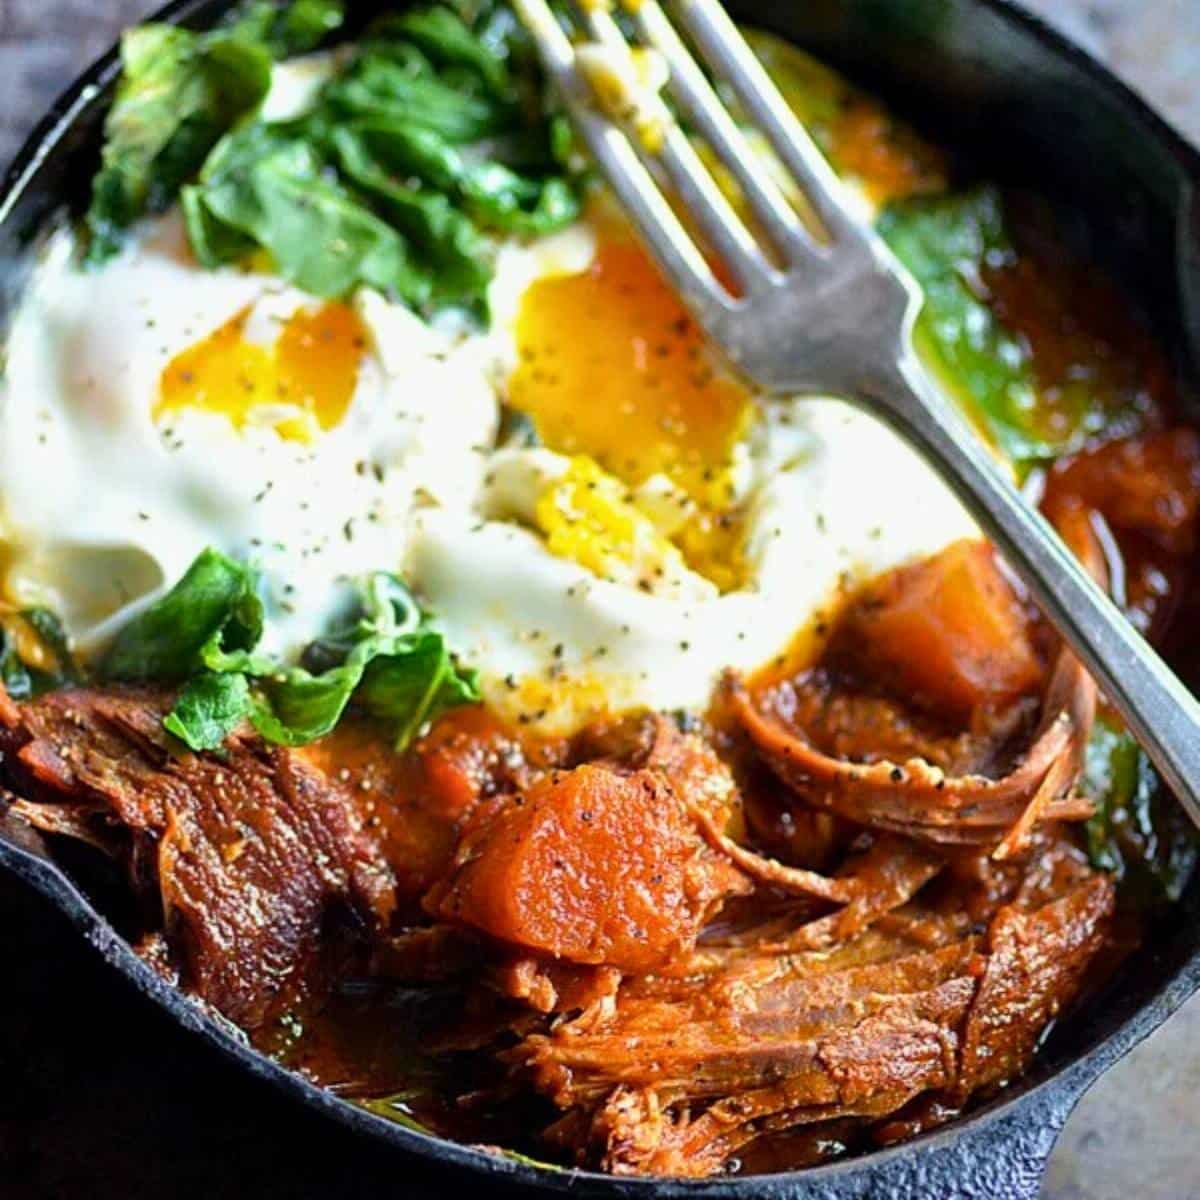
(835, 499)
(102, 507)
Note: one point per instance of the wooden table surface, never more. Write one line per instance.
(101, 1097)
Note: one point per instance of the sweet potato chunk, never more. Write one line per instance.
(594, 865)
(946, 633)
(417, 803)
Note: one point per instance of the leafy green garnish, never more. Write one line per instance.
(418, 145)
(429, 134)
(209, 709)
(385, 658)
(291, 27)
(495, 195)
(449, 240)
(179, 93)
(389, 659)
(215, 599)
(22, 679)
(13, 671)
(946, 241)
(442, 35)
(1138, 832)
(263, 187)
(950, 242)
(398, 82)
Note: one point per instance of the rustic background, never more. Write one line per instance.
(100, 1096)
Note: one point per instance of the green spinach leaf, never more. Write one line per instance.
(53, 637)
(950, 242)
(179, 92)
(398, 82)
(288, 28)
(1138, 832)
(460, 270)
(266, 186)
(414, 687)
(385, 658)
(430, 133)
(216, 601)
(18, 681)
(56, 667)
(497, 196)
(210, 707)
(945, 242)
(446, 39)
(392, 663)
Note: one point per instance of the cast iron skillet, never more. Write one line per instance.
(992, 81)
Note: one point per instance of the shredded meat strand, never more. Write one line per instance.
(922, 800)
(678, 1075)
(249, 852)
(675, 994)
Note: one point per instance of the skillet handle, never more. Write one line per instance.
(1006, 1161)
(998, 1156)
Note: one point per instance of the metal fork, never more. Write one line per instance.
(831, 313)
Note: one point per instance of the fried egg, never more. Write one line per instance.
(653, 523)
(668, 524)
(153, 408)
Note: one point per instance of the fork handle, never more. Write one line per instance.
(1159, 710)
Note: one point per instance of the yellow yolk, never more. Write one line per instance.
(611, 366)
(587, 516)
(558, 700)
(310, 372)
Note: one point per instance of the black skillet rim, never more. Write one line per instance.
(1047, 1101)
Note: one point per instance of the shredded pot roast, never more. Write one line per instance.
(849, 901)
(845, 902)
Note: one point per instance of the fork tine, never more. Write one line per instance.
(698, 192)
(720, 42)
(643, 203)
(693, 91)
(704, 201)
(652, 216)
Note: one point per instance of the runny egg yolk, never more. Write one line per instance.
(585, 516)
(611, 366)
(304, 381)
